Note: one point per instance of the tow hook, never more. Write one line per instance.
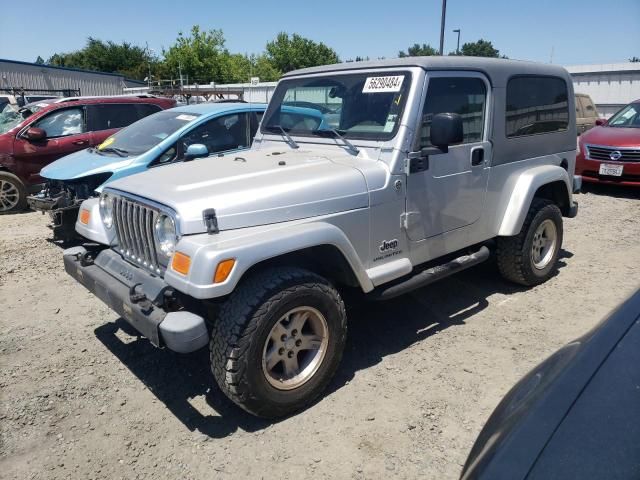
(139, 297)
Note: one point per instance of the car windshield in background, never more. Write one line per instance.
(146, 133)
(364, 105)
(11, 116)
(629, 116)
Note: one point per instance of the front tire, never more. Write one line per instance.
(278, 340)
(13, 195)
(530, 258)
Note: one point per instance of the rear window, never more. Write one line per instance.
(535, 105)
(117, 115)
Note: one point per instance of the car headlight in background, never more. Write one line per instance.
(166, 234)
(106, 209)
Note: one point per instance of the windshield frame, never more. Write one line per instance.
(635, 105)
(381, 136)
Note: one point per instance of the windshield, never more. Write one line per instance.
(361, 105)
(145, 134)
(628, 117)
(10, 117)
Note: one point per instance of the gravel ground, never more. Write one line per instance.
(82, 397)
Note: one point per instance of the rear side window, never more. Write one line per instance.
(536, 105)
(113, 115)
(146, 109)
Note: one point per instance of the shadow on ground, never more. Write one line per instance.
(375, 331)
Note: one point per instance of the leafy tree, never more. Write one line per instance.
(634, 59)
(287, 53)
(481, 48)
(200, 56)
(418, 50)
(39, 60)
(125, 58)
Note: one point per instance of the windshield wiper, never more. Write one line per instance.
(118, 151)
(337, 134)
(292, 143)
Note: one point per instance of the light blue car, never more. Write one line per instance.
(179, 134)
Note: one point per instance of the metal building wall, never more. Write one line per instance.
(33, 76)
(610, 86)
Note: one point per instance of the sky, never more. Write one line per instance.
(566, 32)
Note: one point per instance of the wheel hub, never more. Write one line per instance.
(544, 244)
(295, 348)
(9, 195)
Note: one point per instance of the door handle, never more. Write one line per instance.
(477, 156)
(80, 142)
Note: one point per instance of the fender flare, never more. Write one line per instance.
(249, 250)
(522, 194)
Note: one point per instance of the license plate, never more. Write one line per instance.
(611, 170)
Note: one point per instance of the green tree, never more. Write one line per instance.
(39, 60)
(634, 59)
(125, 58)
(418, 50)
(287, 53)
(199, 56)
(481, 48)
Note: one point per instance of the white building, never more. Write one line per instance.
(610, 85)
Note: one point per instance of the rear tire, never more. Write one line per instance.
(13, 195)
(278, 340)
(530, 258)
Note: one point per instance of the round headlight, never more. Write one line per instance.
(166, 234)
(106, 209)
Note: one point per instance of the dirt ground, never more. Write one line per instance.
(82, 397)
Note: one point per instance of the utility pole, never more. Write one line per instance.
(444, 14)
(457, 30)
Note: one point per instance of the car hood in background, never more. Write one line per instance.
(612, 136)
(82, 164)
(252, 188)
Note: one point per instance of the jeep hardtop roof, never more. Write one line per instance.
(498, 70)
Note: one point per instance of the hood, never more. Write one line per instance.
(83, 163)
(252, 188)
(612, 136)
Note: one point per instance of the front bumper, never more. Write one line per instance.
(590, 172)
(63, 215)
(138, 297)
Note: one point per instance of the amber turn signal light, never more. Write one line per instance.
(181, 263)
(85, 215)
(223, 270)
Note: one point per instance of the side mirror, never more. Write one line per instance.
(446, 129)
(196, 150)
(35, 134)
(601, 121)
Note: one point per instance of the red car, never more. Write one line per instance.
(39, 133)
(610, 152)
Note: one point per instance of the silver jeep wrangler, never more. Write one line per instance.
(378, 176)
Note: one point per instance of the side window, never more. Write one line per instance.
(111, 115)
(465, 96)
(536, 105)
(62, 123)
(146, 109)
(220, 134)
(168, 156)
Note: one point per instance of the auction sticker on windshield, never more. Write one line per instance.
(185, 117)
(383, 84)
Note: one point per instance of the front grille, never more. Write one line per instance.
(134, 223)
(604, 154)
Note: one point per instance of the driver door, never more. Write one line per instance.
(66, 133)
(447, 192)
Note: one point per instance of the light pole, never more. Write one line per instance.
(444, 14)
(457, 30)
